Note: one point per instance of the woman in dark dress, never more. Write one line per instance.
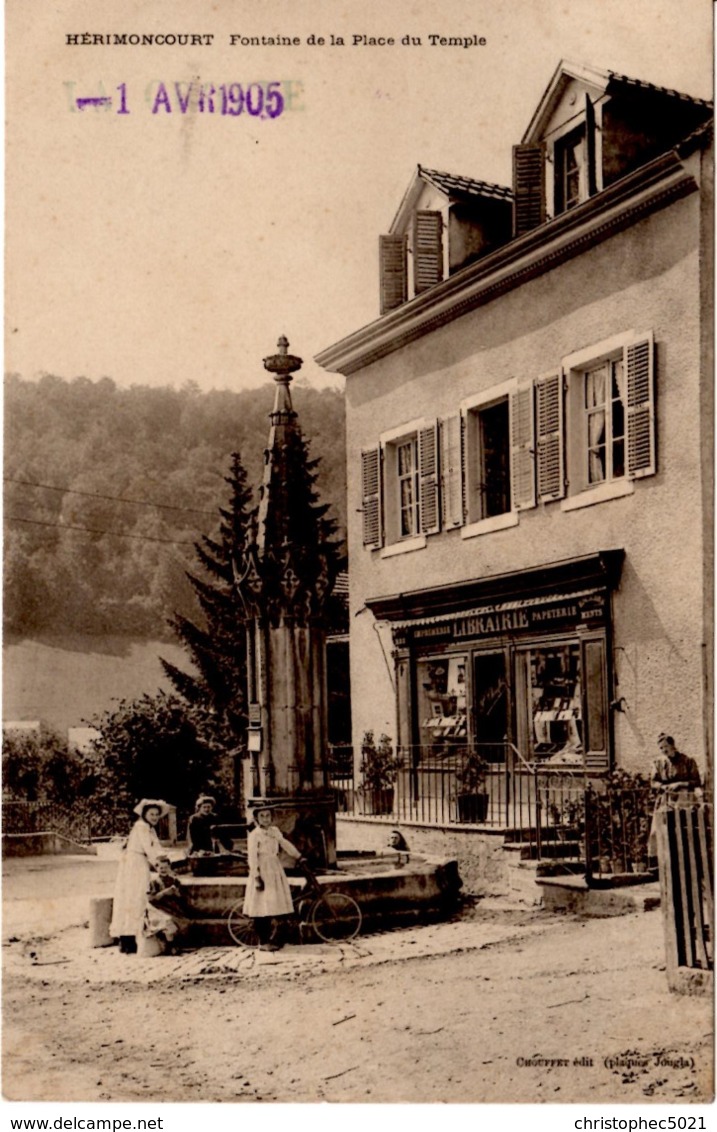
(200, 826)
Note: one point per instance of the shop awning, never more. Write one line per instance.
(570, 577)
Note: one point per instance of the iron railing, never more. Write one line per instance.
(562, 812)
(82, 822)
(486, 784)
(45, 817)
(618, 821)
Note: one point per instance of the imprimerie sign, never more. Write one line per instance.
(528, 616)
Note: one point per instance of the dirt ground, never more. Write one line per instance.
(502, 1004)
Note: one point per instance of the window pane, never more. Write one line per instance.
(595, 387)
(405, 458)
(441, 691)
(618, 459)
(555, 703)
(569, 158)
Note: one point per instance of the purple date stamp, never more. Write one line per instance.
(257, 99)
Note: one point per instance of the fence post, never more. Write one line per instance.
(685, 888)
(587, 802)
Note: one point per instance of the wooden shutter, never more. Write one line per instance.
(451, 446)
(427, 250)
(522, 448)
(595, 706)
(590, 146)
(371, 496)
(394, 280)
(528, 187)
(549, 414)
(428, 476)
(639, 367)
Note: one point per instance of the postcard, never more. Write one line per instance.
(382, 779)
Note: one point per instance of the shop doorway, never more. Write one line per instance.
(491, 705)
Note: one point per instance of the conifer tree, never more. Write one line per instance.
(216, 691)
(297, 525)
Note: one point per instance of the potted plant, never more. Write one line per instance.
(471, 795)
(619, 823)
(379, 770)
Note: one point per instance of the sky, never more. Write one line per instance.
(163, 248)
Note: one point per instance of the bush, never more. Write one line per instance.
(153, 747)
(41, 767)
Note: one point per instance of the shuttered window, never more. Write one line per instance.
(549, 424)
(393, 271)
(427, 250)
(371, 497)
(522, 447)
(528, 187)
(639, 366)
(451, 445)
(429, 508)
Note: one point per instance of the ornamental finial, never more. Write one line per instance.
(283, 364)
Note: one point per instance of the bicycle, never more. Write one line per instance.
(332, 916)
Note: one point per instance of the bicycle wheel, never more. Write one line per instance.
(241, 927)
(336, 917)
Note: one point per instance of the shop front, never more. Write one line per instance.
(515, 667)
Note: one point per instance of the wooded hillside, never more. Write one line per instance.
(107, 489)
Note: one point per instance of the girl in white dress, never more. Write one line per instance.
(267, 889)
(130, 897)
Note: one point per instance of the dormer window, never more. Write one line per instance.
(444, 223)
(570, 170)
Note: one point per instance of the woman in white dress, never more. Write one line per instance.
(267, 889)
(130, 897)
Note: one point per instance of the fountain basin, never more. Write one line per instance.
(424, 888)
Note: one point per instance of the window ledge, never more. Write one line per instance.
(404, 547)
(599, 494)
(495, 523)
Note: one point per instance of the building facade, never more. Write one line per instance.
(529, 428)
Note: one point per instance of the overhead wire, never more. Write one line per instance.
(96, 530)
(112, 498)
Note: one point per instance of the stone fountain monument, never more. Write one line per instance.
(284, 580)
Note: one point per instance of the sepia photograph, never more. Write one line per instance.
(358, 654)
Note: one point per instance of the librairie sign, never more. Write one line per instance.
(529, 616)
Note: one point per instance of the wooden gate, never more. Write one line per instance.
(684, 847)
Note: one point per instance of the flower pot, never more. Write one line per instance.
(472, 808)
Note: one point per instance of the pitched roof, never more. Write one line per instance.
(455, 185)
(601, 81)
(625, 80)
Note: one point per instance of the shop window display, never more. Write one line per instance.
(442, 703)
(556, 703)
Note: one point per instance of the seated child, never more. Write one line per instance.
(165, 916)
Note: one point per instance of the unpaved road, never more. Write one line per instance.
(420, 1015)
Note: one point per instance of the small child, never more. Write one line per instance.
(398, 842)
(165, 916)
